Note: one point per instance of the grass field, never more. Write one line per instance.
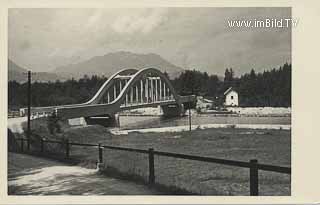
(267, 146)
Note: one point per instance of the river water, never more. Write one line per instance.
(139, 122)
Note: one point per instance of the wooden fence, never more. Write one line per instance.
(252, 165)
(12, 114)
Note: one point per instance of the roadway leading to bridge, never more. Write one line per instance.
(29, 175)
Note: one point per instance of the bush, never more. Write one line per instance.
(53, 124)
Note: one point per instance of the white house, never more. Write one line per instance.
(231, 97)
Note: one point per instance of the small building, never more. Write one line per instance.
(23, 112)
(231, 97)
(203, 104)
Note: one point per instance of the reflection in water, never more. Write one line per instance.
(139, 122)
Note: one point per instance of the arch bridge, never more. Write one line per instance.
(125, 90)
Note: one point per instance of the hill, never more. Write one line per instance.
(110, 63)
(17, 73)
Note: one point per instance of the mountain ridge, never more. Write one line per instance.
(19, 74)
(110, 63)
(105, 65)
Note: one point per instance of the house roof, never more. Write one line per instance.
(207, 100)
(228, 91)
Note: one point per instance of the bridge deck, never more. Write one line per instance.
(83, 110)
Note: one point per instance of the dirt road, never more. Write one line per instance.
(29, 175)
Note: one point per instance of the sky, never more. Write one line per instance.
(192, 38)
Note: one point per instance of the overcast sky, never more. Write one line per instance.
(193, 38)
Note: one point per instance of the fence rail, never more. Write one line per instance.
(126, 149)
(252, 165)
(84, 144)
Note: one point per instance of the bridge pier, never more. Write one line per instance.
(104, 120)
(173, 110)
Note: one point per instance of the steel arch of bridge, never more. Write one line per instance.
(158, 79)
(133, 83)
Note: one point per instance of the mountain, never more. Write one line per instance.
(19, 74)
(100, 65)
(113, 62)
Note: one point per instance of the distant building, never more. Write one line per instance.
(203, 103)
(231, 97)
(23, 112)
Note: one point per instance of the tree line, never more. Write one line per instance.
(54, 93)
(268, 88)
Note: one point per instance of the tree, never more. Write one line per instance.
(228, 75)
(53, 124)
(166, 74)
(213, 86)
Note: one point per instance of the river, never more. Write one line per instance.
(137, 122)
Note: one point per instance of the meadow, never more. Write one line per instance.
(267, 146)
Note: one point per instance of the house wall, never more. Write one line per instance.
(232, 99)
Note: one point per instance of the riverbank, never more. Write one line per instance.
(229, 111)
(261, 111)
(117, 131)
(203, 121)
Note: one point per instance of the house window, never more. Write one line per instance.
(231, 97)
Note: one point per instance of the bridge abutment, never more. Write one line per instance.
(104, 120)
(173, 110)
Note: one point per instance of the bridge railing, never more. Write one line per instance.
(253, 166)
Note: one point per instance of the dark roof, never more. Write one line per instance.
(229, 90)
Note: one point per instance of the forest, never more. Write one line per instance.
(268, 88)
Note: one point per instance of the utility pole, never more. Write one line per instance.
(29, 110)
(192, 90)
(189, 116)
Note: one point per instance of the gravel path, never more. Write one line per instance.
(29, 175)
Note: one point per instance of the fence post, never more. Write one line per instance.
(151, 167)
(42, 145)
(100, 153)
(28, 144)
(22, 144)
(67, 149)
(254, 179)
